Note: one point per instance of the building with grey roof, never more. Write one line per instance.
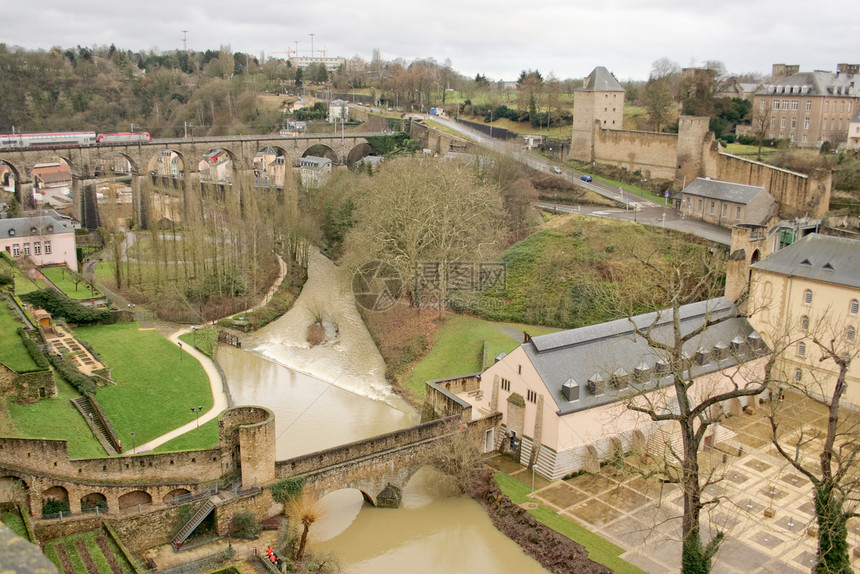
(43, 239)
(809, 108)
(724, 203)
(563, 396)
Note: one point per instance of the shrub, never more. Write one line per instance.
(288, 489)
(33, 349)
(73, 376)
(245, 525)
(60, 306)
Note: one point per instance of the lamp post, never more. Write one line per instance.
(92, 425)
(197, 410)
(229, 532)
(133, 444)
(180, 350)
(491, 124)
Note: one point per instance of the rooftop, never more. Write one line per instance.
(723, 190)
(818, 257)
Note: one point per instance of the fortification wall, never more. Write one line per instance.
(652, 153)
(440, 397)
(798, 194)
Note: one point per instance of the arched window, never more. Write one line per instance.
(801, 349)
(853, 308)
(798, 375)
(804, 323)
(850, 333)
(807, 297)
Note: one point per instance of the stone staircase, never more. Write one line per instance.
(94, 421)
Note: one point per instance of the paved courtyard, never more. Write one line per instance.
(643, 516)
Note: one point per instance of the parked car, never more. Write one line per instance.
(555, 169)
(586, 178)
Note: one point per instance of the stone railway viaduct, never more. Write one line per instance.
(344, 149)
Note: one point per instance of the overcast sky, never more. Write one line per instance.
(498, 38)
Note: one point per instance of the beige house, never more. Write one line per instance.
(314, 170)
(854, 132)
(811, 287)
(808, 108)
(44, 239)
(724, 203)
(563, 396)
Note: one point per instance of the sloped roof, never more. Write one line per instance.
(820, 257)
(813, 84)
(723, 190)
(23, 226)
(603, 349)
(600, 80)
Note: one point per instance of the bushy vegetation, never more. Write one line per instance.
(288, 489)
(33, 349)
(60, 306)
(66, 367)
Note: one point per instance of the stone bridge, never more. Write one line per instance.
(35, 470)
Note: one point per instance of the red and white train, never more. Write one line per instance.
(46, 139)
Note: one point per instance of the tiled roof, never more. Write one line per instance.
(813, 84)
(600, 80)
(723, 190)
(24, 226)
(820, 257)
(601, 350)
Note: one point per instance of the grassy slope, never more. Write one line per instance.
(459, 344)
(204, 437)
(64, 280)
(13, 353)
(599, 550)
(54, 419)
(157, 384)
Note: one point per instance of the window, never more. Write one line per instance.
(16, 250)
(794, 104)
(506, 385)
(761, 105)
(776, 104)
(793, 123)
(772, 122)
(785, 104)
(826, 104)
(738, 213)
(805, 138)
(798, 375)
(37, 248)
(713, 207)
(781, 122)
(854, 307)
(26, 249)
(804, 322)
(807, 297)
(808, 105)
(842, 106)
(806, 123)
(849, 107)
(849, 334)
(47, 248)
(725, 209)
(531, 396)
(701, 204)
(801, 349)
(519, 369)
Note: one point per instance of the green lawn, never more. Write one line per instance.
(459, 345)
(54, 419)
(750, 150)
(23, 284)
(65, 282)
(202, 438)
(13, 353)
(93, 549)
(599, 550)
(15, 523)
(157, 383)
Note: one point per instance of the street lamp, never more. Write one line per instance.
(180, 350)
(92, 425)
(133, 444)
(491, 123)
(229, 532)
(197, 410)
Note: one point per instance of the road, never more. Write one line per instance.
(635, 208)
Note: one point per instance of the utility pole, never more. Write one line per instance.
(185, 40)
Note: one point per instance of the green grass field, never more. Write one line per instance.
(750, 151)
(599, 549)
(202, 438)
(157, 384)
(65, 282)
(15, 523)
(459, 345)
(91, 549)
(23, 284)
(53, 419)
(13, 353)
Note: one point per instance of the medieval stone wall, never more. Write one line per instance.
(652, 153)
(440, 397)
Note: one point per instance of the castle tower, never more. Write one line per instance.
(598, 104)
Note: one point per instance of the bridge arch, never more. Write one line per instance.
(358, 153)
(175, 493)
(322, 150)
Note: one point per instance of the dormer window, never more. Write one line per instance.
(570, 390)
(596, 384)
(642, 373)
(806, 262)
(702, 356)
(755, 341)
(620, 378)
(662, 367)
(720, 351)
(739, 346)
(11, 233)
(828, 266)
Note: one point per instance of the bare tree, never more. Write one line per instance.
(693, 402)
(828, 457)
(761, 119)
